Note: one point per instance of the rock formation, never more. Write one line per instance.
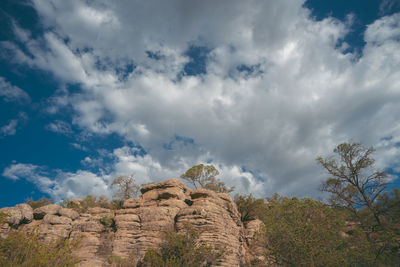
(141, 223)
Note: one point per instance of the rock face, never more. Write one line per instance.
(141, 223)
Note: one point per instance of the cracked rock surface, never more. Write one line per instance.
(141, 223)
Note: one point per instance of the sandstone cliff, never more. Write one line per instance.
(141, 223)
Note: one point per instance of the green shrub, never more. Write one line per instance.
(43, 201)
(181, 250)
(91, 202)
(67, 203)
(26, 249)
(116, 204)
(117, 261)
(108, 223)
(250, 208)
(3, 217)
(305, 232)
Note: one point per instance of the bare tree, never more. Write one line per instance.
(126, 187)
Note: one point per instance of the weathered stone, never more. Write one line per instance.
(150, 195)
(142, 222)
(98, 210)
(52, 232)
(54, 219)
(88, 226)
(14, 215)
(174, 182)
(202, 193)
(4, 230)
(51, 209)
(26, 212)
(216, 218)
(89, 244)
(171, 192)
(133, 203)
(19, 214)
(70, 213)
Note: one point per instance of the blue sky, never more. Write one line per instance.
(93, 90)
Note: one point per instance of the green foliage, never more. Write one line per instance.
(26, 249)
(353, 181)
(91, 202)
(356, 186)
(3, 217)
(218, 186)
(108, 223)
(249, 207)
(43, 201)
(181, 250)
(67, 203)
(204, 177)
(117, 261)
(88, 202)
(305, 232)
(200, 174)
(153, 259)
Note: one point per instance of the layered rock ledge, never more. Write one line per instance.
(141, 223)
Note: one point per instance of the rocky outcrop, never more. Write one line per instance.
(141, 223)
(19, 214)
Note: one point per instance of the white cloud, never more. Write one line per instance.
(307, 95)
(59, 126)
(59, 184)
(11, 127)
(11, 93)
(388, 5)
(79, 146)
(16, 171)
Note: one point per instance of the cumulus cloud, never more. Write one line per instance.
(11, 127)
(16, 171)
(59, 184)
(12, 93)
(60, 127)
(388, 5)
(123, 161)
(279, 87)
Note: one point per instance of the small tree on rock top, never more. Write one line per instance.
(204, 176)
(126, 187)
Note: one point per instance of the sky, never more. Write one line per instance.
(91, 90)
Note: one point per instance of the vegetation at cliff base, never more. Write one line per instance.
(181, 250)
(20, 249)
(358, 225)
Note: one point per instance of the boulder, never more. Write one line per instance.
(26, 212)
(54, 219)
(133, 203)
(142, 222)
(14, 215)
(51, 209)
(19, 214)
(174, 182)
(69, 213)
